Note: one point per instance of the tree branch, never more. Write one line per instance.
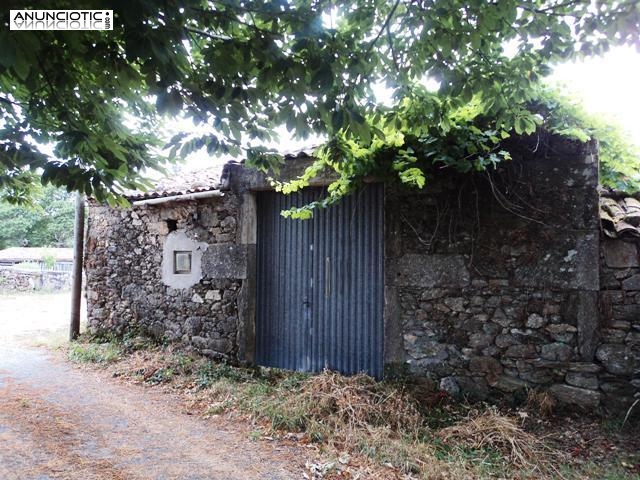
(547, 10)
(383, 28)
(393, 52)
(213, 36)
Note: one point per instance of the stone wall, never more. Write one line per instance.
(495, 276)
(14, 280)
(619, 349)
(124, 272)
(495, 283)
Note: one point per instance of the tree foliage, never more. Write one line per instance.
(46, 222)
(245, 67)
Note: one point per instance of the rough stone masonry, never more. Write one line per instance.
(496, 277)
(125, 287)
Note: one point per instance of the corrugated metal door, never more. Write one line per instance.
(320, 283)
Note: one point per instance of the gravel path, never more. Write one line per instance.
(59, 422)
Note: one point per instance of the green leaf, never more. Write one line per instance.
(519, 125)
(413, 176)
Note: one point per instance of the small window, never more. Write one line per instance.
(181, 261)
(172, 225)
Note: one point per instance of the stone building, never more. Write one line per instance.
(487, 284)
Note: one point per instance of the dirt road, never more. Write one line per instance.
(35, 319)
(59, 422)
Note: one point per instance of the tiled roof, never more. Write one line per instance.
(620, 215)
(181, 183)
(300, 153)
(202, 180)
(25, 254)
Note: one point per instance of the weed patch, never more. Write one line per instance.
(94, 352)
(164, 374)
(209, 372)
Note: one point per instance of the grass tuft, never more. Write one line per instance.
(541, 403)
(94, 352)
(491, 431)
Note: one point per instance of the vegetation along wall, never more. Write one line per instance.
(494, 283)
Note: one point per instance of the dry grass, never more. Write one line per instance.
(384, 429)
(364, 428)
(358, 402)
(541, 403)
(491, 429)
(365, 418)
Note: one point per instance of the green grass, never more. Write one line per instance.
(95, 352)
(258, 391)
(487, 461)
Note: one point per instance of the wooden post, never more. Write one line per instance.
(78, 252)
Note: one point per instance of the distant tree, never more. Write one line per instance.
(47, 222)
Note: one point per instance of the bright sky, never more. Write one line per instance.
(608, 85)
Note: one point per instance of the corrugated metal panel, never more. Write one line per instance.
(320, 283)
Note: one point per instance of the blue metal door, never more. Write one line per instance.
(320, 289)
